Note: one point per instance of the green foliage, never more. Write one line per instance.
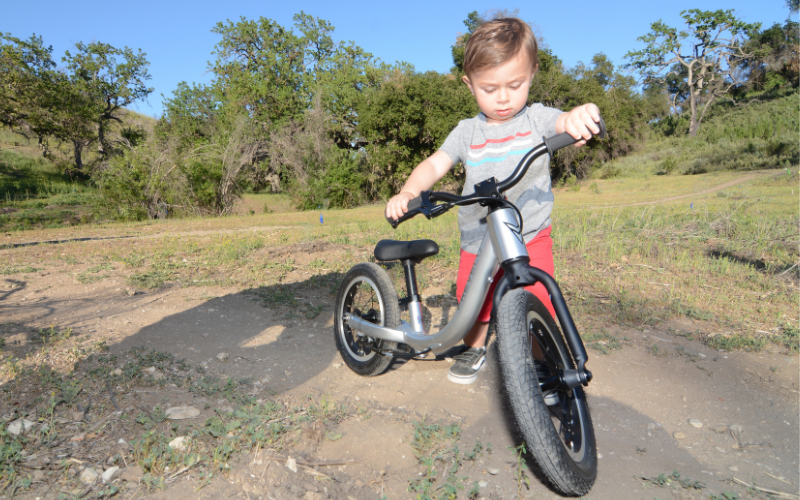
(708, 51)
(404, 121)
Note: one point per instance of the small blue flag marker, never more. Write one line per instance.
(691, 205)
(320, 218)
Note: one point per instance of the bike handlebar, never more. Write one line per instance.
(422, 204)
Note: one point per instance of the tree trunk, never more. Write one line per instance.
(101, 140)
(692, 104)
(77, 147)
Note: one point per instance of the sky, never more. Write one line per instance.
(176, 35)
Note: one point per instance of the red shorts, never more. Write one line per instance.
(540, 250)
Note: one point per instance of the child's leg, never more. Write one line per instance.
(477, 335)
(540, 251)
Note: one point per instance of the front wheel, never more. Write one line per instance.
(366, 292)
(555, 425)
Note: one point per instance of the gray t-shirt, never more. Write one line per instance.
(494, 151)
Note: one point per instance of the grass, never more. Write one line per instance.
(434, 446)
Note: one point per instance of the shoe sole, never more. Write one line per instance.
(469, 379)
(462, 380)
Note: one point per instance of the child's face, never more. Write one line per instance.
(502, 91)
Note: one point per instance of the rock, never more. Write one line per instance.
(109, 474)
(88, 476)
(150, 369)
(737, 429)
(695, 423)
(132, 473)
(337, 365)
(179, 443)
(223, 357)
(77, 416)
(225, 409)
(118, 372)
(678, 435)
(291, 464)
(157, 375)
(78, 437)
(182, 412)
(493, 472)
(19, 426)
(482, 484)
(733, 468)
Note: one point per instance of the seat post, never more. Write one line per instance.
(414, 301)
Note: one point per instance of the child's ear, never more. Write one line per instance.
(465, 79)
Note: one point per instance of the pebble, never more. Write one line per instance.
(118, 372)
(179, 443)
(19, 426)
(223, 357)
(182, 412)
(678, 435)
(695, 423)
(88, 476)
(493, 472)
(291, 464)
(337, 365)
(482, 484)
(109, 474)
(733, 468)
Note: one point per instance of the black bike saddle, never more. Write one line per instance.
(417, 250)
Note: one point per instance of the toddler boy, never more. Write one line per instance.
(500, 62)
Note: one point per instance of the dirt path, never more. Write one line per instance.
(641, 403)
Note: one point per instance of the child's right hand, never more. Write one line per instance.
(398, 205)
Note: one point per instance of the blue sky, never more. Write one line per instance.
(177, 39)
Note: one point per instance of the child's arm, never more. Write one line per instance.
(424, 176)
(580, 122)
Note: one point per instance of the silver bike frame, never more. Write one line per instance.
(501, 242)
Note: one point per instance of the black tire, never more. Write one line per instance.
(366, 291)
(567, 453)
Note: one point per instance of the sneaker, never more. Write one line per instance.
(467, 365)
(543, 372)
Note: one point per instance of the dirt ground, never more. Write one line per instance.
(641, 399)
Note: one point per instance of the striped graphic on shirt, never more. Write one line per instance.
(508, 145)
(498, 141)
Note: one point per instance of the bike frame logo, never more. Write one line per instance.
(514, 227)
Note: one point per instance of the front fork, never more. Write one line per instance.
(505, 232)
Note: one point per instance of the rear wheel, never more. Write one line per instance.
(366, 292)
(556, 425)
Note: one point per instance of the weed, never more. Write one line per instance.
(658, 352)
(52, 335)
(149, 279)
(725, 495)
(6, 271)
(674, 479)
(522, 477)
(602, 342)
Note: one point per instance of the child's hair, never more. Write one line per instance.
(497, 41)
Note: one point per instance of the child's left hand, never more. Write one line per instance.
(581, 123)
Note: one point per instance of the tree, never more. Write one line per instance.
(778, 60)
(110, 79)
(709, 50)
(27, 86)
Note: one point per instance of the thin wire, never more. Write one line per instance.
(483, 198)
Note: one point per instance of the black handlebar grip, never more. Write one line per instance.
(564, 139)
(414, 205)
